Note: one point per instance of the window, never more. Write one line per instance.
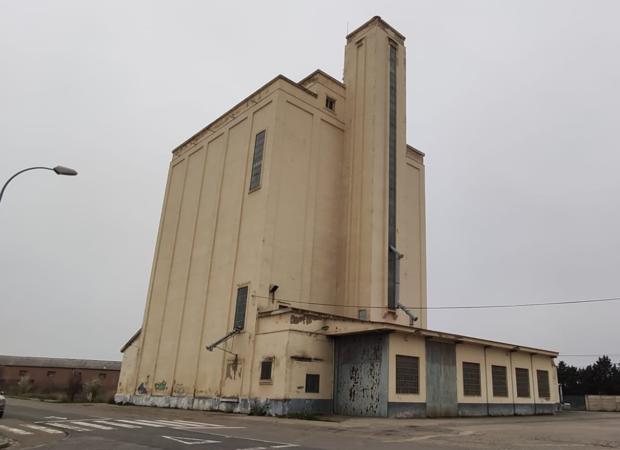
(242, 300)
(51, 373)
(362, 314)
(471, 379)
(407, 374)
(543, 384)
(102, 376)
(330, 103)
(257, 161)
(500, 384)
(265, 369)
(23, 373)
(523, 382)
(312, 383)
(392, 295)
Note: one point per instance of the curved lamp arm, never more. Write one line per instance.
(59, 170)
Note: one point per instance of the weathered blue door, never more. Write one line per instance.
(361, 375)
(440, 379)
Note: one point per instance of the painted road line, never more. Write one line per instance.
(253, 448)
(190, 441)
(284, 446)
(44, 429)
(170, 423)
(185, 423)
(145, 423)
(14, 430)
(116, 424)
(91, 425)
(66, 425)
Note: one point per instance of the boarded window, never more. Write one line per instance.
(242, 300)
(407, 374)
(102, 376)
(523, 382)
(543, 384)
(257, 161)
(51, 373)
(265, 369)
(471, 379)
(312, 383)
(500, 383)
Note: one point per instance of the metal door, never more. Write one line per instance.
(361, 375)
(440, 379)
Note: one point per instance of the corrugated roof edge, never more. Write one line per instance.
(402, 328)
(245, 100)
(64, 363)
(131, 340)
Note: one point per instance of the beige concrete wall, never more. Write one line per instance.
(129, 369)
(407, 345)
(216, 236)
(544, 363)
(474, 354)
(364, 277)
(603, 402)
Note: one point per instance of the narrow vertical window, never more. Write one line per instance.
(257, 161)
(543, 384)
(265, 369)
(392, 255)
(523, 382)
(242, 300)
(330, 103)
(500, 381)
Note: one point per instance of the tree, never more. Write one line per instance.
(600, 378)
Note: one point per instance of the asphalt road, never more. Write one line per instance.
(34, 424)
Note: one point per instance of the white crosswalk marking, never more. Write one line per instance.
(14, 430)
(66, 426)
(202, 424)
(116, 424)
(91, 425)
(146, 423)
(44, 429)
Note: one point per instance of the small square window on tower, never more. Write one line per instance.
(330, 103)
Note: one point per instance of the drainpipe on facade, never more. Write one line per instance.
(486, 378)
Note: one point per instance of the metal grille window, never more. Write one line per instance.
(257, 161)
(471, 379)
(265, 369)
(407, 374)
(500, 381)
(392, 256)
(523, 382)
(543, 384)
(242, 300)
(312, 383)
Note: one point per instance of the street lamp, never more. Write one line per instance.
(59, 170)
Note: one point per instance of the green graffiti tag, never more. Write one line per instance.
(161, 386)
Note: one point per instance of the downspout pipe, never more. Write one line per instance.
(399, 305)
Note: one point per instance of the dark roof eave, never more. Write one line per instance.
(131, 340)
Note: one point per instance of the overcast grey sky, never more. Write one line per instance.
(516, 105)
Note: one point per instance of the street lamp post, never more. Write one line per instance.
(59, 170)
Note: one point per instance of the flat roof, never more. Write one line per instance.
(374, 327)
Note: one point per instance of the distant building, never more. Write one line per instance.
(290, 268)
(50, 375)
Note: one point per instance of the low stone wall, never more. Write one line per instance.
(603, 402)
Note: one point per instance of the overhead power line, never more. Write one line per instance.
(417, 308)
(592, 355)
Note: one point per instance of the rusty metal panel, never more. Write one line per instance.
(441, 398)
(361, 378)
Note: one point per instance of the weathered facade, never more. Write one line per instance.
(302, 206)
